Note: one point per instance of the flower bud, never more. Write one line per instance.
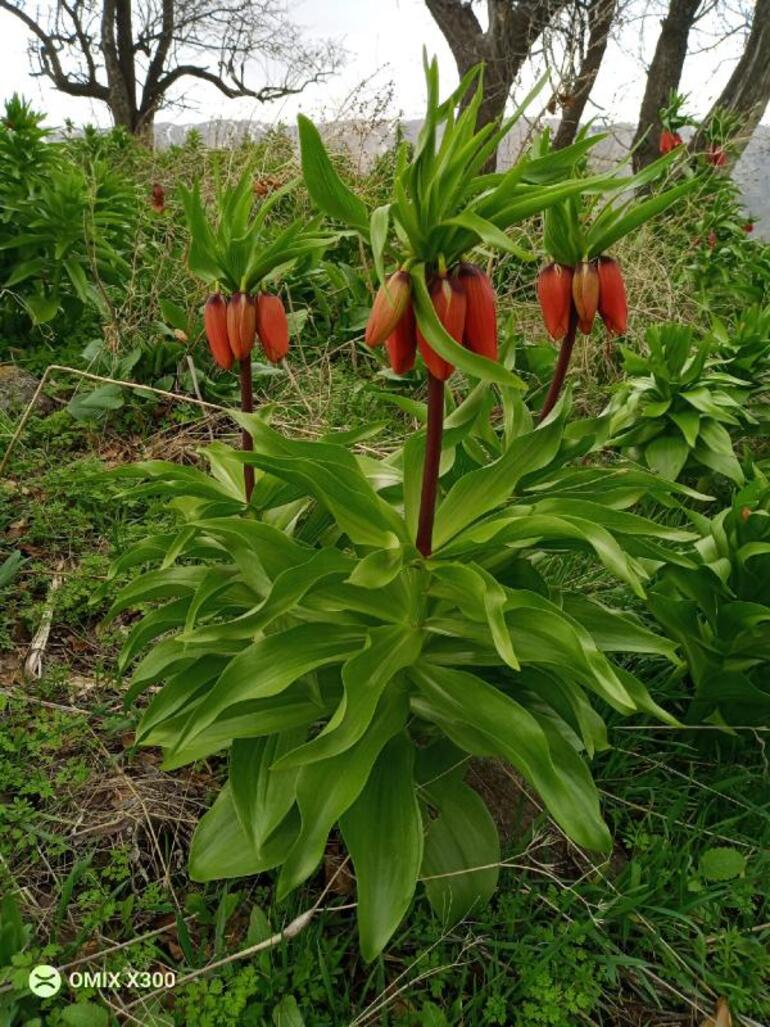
(554, 291)
(272, 327)
(613, 305)
(585, 293)
(716, 155)
(241, 324)
(480, 332)
(215, 325)
(388, 308)
(402, 343)
(449, 304)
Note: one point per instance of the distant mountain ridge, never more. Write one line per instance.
(366, 142)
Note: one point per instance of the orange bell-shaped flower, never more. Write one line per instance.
(215, 326)
(272, 327)
(554, 292)
(480, 331)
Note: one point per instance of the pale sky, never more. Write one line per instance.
(383, 38)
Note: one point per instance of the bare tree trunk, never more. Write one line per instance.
(503, 47)
(663, 76)
(600, 17)
(747, 93)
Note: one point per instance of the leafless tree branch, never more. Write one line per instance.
(131, 53)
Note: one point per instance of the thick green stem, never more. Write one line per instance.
(247, 406)
(562, 364)
(435, 431)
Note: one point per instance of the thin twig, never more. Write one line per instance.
(33, 665)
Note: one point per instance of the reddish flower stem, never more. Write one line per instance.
(247, 406)
(562, 364)
(435, 431)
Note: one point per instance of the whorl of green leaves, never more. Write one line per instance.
(716, 605)
(677, 406)
(443, 204)
(243, 248)
(585, 226)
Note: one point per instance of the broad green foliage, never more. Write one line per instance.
(349, 678)
(63, 227)
(675, 409)
(717, 607)
(744, 347)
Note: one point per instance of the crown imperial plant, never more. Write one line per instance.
(238, 252)
(367, 624)
(581, 278)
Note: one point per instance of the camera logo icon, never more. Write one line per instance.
(44, 981)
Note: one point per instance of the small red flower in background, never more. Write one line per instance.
(669, 140)
(748, 227)
(158, 198)
(712, 239)
(716, 155)
(262, 187)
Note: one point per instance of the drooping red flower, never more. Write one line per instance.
(215, 325)
(241, 324)
(613, 305)
(158, 198)
(480, 332)
(554, 292)
(272, 327)
(388, 308)
(585, 294)
(450, 304)
(716, 155)
(748, 227)
(402, 343)
(669, 140)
